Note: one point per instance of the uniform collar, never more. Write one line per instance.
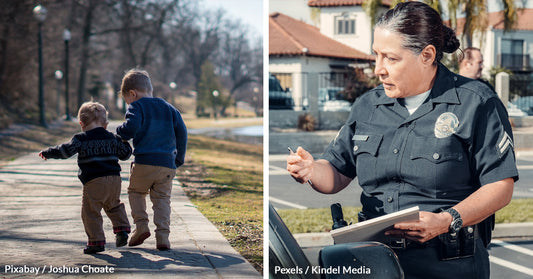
(444, 87)
(443, 90)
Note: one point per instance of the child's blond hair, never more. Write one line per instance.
(136, 79)
(92, 112)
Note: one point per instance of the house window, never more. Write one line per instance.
(512, 54)
(512, 46)
(344, 25)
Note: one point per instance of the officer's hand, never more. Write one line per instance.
(300, 165)
(426, 228)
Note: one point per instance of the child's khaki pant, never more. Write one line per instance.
(102, 192)
(156, 181)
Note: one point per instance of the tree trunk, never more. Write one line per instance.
(84, 59)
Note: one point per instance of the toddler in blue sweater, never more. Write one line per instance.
(159, 141)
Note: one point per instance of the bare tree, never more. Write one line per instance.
(199, 43)
(235, 58)
(170, 38)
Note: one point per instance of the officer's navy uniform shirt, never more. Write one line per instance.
(458, 140)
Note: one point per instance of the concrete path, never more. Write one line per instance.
(41, 231)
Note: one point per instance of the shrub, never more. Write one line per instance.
(306, 122)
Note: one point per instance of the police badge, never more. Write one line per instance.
(446, 125)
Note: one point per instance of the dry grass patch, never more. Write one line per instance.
(33, 138)
(225, 180)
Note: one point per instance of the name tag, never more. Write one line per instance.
(360, 137)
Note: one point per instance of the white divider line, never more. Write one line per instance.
(273, 170)
(294, 205)
(278, 157)
(511, 265)
(526, 167)
(512, 247)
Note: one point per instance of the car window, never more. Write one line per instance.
(274, 84)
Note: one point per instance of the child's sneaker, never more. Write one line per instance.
(93, 249)
(121, 239)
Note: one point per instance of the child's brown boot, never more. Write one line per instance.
(139, 235)
(162, 243)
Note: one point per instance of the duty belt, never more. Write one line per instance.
(404, 243)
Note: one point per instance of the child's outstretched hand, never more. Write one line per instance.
(42, 156)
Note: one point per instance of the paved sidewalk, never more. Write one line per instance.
(41, 227)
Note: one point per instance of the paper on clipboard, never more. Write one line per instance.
(374, 229)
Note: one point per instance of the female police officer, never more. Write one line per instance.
(425, 137)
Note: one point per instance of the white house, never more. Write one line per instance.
(297, 49)
(346, 22)
(513, 49)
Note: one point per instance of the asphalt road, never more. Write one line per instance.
(284, 192)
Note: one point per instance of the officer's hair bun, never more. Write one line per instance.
(451, 43)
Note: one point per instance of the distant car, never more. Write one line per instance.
(330, 99)
(524, 104)
(278, 98)
(513, 110)
(328, 93)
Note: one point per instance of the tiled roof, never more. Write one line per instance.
(335, 3)
(288, 36)
(523, 21)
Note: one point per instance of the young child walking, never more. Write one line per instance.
(98, 154)
(159, 141)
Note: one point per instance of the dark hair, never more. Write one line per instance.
(136, 79)
(420, 26)
(467, 53)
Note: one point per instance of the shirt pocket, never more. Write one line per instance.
(365, 151)
(437, 150)
(439, 166)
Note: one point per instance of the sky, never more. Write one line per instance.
(297, 9)
(249, 11)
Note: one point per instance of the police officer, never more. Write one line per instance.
(426, 137)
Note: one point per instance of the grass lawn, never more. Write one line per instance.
(319, 219)
(193, 122)
(225, 180)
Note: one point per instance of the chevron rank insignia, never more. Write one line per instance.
(504, 144)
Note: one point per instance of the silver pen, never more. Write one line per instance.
(292, 152)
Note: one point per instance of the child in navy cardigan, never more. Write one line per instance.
(159, 141)
(98, 154)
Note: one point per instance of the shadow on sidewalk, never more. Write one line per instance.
(130, 259)
(135, 258)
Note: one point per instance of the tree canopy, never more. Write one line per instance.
(171, 39)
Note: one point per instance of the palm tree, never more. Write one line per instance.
(371, 8)
(476, 16)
